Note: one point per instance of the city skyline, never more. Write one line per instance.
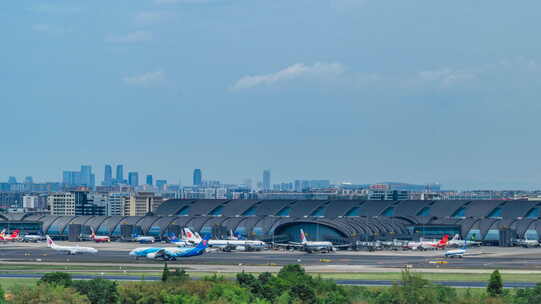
(349, 90)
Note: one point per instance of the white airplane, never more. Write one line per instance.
(32, 238)
(429, 244)
(14, 236)
(457, 242)
(528, 243)
(310, 246)
(190, 236)
(145, 239)
(70, 249)
(231, 244)
(455, 253)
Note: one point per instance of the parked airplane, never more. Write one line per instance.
(429, 244)
(229, 244)
(99, 238)
(527, 242)
(144, 239)
(192, 237)
(32, 238)
(70, 249)
(169, 253)
(310, 246)
(457, 242)
(12, 237)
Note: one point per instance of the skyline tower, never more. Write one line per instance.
(86, 176)
(108, 176)
(119, 174)
(266, 179)
(150, 180)
(197, 177)
(133, 179)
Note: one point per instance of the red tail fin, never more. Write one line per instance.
(444, 240)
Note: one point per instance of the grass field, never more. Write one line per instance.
(97, 271)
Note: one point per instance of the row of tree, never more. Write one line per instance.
(290, 286)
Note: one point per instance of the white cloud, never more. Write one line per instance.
(447, 77)
(134, 37)
(149, 79)
(298, 70)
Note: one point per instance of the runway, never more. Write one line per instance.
(117, 253)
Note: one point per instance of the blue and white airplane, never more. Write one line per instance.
(169, 253)
(456, 253)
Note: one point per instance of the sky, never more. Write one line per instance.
(358, 91)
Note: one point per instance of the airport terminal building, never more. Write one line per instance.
(339, 221)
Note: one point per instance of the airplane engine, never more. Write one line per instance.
(151, 255)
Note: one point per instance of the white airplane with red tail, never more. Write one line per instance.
(99, 238)
(12, 237)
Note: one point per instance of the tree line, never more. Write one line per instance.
(291, 285)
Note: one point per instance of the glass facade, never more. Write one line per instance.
(533, 213)
(496, 213)
(184, 211)
(250, 211)
(424, 212)
(493, 235)
(217, 211)
(355, 211)
(531, 234)
(319, 212)
(459, 213)
(474, 234)
(284, 212)
(388, 212)
(434, 231)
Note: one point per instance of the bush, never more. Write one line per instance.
(2, 296)
(495, 284)
(528, 295)
(98, 291)
(56, 278)
(47, 293)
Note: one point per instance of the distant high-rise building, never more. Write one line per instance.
(86, 176)
(266, 180)
(120, 174)
(197, 177)
(133, 179)
(28, 180)
(160, 184)
(150, 180)
(108, 176)
(12, 180)
(71, 178)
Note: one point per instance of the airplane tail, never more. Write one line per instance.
(190, 236)
(444, 240)
(456, 237)
(50, 242)
(303, 237)
(93, 234)
(15, 234)
(203, 244)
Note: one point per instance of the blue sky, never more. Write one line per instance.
(350, 90)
